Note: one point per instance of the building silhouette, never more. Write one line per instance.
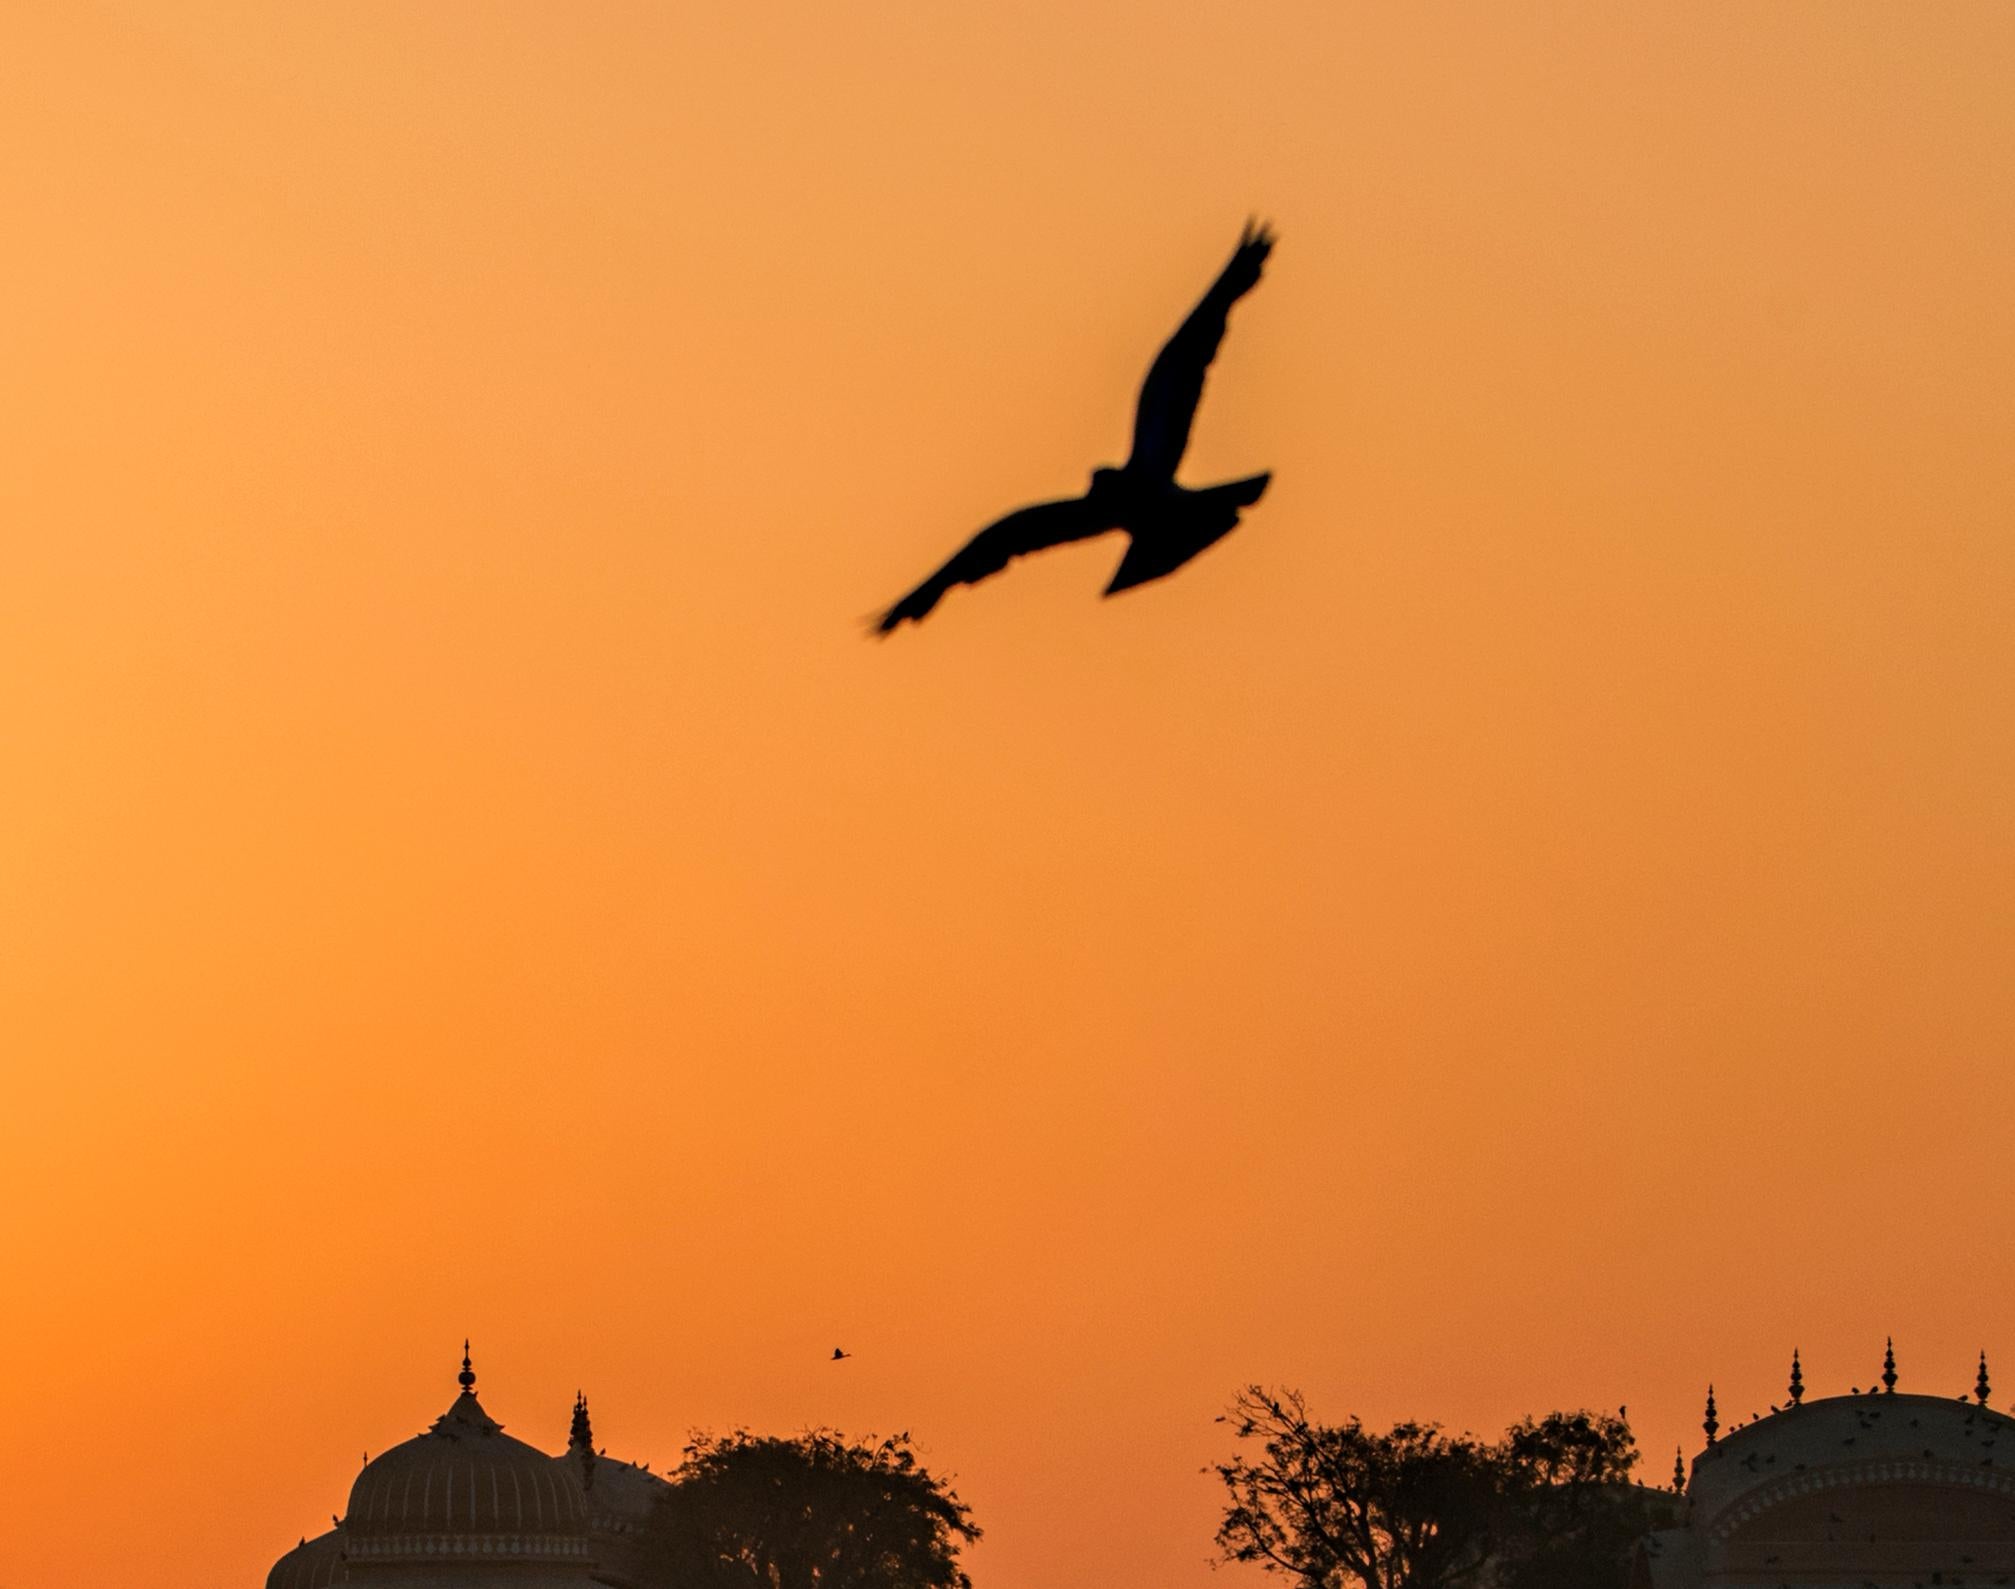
(1876, 1489)
(466, 1506)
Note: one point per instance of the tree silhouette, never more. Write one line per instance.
(1330, 1505)
(1339, 1505)
(814, 1512)
(1576, 1511)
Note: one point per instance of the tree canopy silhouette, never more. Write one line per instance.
(1338, 1505)
(1577, 1511)
(816, 1511)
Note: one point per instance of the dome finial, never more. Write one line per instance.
(1889, 1366)
(1980, 1386)
(1797, 1379)
(1678, 1471)
(467, 1378)
(1710, 1423)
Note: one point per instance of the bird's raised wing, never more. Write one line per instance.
(1027, 529)
(1174, 384)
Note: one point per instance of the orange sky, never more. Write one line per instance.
(1524, 923)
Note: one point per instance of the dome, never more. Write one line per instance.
(1845, 1489)
(313, 1564)
(1843, 1443)
(466, 1489)
(621, 1495)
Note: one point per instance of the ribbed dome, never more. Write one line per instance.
(464, 1477)
(313, 1564)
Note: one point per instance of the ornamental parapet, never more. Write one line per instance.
(489, 1547)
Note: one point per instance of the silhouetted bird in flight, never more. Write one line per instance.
(838, 1355)
(1168, 524)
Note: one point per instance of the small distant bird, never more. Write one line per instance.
(839, 1356)
(1167, 524)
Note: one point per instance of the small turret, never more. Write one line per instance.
(581, 1441)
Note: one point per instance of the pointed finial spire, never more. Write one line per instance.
(1980, 1386)
(467, 1378)
(581, 1440)
(1678, 1471)
(1797, 1379)
(1889, 1366)
(1710, 1423)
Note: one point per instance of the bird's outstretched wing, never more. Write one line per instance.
(1027, 529)
(1174, 384)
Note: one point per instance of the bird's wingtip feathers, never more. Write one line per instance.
(1257, 234)
(1255, 244)
(911, 609)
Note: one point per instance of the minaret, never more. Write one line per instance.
(1797, 1379)
(1678, 1471)
(1980, 1386)
(1710, 1423)
(581, 1441)
(1889, 1367)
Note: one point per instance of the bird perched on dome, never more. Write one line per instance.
(1167, 524)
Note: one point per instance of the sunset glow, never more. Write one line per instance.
(1522, 923)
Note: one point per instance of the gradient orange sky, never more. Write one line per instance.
(1525, 923)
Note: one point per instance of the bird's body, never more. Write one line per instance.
(1171, 524)
(1166, 524)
